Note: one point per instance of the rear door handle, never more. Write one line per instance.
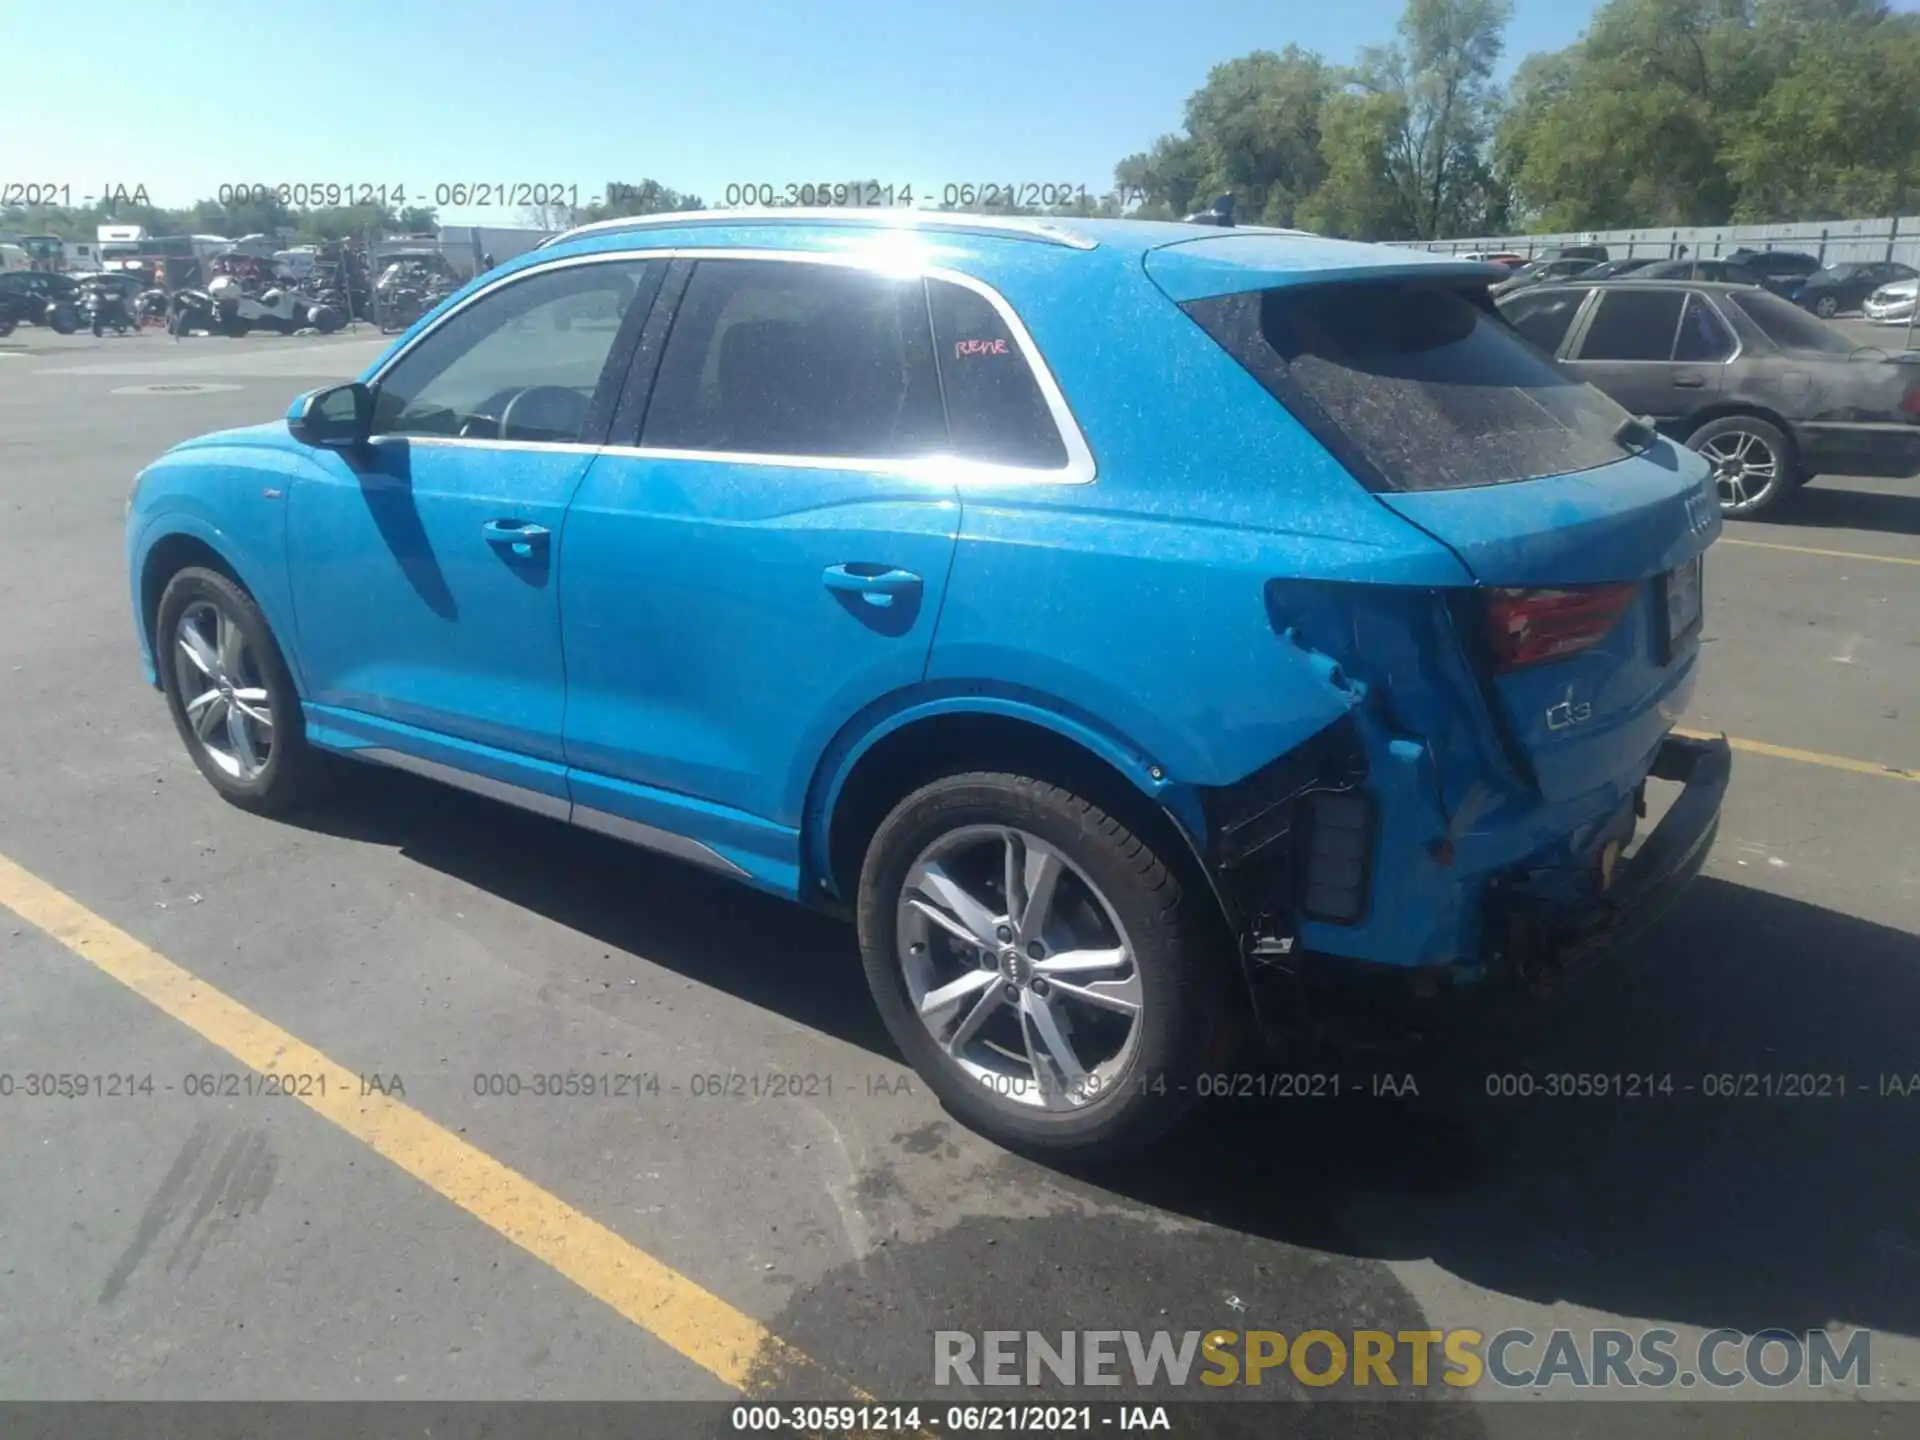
(521, 536)
(875, 584)
(1690, 382)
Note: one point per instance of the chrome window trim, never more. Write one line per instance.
(1080, 468)
(879, 220)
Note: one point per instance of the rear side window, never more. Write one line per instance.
(1633, 325)
(995, 410)
(782, 358)
(1415, 386)
(1704, 336)
(1787, 325)
(1544, 319)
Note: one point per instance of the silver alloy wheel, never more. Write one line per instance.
(1745, 467)
(222, 690)
(1019, 967)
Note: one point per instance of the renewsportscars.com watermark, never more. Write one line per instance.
(1570, 1360)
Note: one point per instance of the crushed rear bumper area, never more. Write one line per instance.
(1540, 946)
(1532, 939)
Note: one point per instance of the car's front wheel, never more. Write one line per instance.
(230, 694)
(1753, 462)
(1040, 965)
(1826, 307)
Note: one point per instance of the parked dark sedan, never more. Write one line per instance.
(1840, 288)
(1608, 269)
(1781, 271)
(1769, 395)
(1538, 272)
(1728, 271)
(38, 297)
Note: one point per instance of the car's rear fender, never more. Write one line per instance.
(965, 725)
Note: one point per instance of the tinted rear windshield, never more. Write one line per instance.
(1415, 385)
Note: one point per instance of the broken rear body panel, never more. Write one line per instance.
(1293, 665)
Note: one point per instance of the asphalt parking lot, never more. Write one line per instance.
(179, 1245)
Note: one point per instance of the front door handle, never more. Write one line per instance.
(521, 536)
(875, 584)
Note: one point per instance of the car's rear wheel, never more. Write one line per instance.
(1753, 462)
(1038, 965)
(1826, 307)
(229, 692)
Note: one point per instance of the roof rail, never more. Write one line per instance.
(1018, 226)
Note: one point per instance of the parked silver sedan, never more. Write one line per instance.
(1892, 304)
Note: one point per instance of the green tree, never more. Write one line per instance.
(1441, 106)
(1258, 123)
(1358, 198)
(1164, 182)
(1823, 142)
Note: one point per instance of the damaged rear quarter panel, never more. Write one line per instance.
(1139, 600)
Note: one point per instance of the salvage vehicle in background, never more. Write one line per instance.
(1839, 289)
(1140, 629)
(1891, 304)
(38, 297)
(225, 308)
(412, 283)
(1771, 396)
(1781, 271)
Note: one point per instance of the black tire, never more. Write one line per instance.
(1826, 307)
(1192, 1010)
(1718, 440)
(291, 765)
(6, 326)
(325, 319)
(62, 320)
(99, 329)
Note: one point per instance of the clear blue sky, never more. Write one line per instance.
(189, 94)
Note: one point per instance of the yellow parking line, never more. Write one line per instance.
(1809, 757)
(1810, 550)
(726, 1342)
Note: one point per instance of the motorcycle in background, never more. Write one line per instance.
(224, 308)
(105, 308)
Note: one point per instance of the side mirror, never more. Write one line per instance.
(339, 417)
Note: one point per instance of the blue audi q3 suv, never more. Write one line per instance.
(1133, 626)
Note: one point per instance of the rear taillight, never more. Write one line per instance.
(1531, 627)
(1910, 402)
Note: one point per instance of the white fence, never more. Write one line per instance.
(1832, 242)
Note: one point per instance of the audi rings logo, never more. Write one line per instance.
(1702, 510)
